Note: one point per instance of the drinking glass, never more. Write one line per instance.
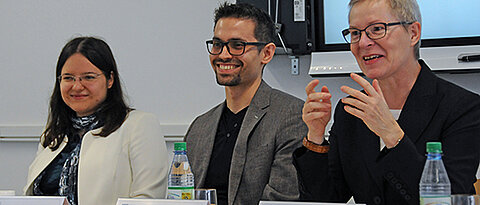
(206, 194)
(465, 199)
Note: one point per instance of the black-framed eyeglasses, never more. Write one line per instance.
(374, 31)
(234, 47)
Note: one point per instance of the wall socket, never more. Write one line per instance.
(294, 61)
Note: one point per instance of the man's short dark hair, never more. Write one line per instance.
(264, 27)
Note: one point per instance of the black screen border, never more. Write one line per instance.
(321, 46)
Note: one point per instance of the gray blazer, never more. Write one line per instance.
(261, 166)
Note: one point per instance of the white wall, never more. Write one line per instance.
(160, 49)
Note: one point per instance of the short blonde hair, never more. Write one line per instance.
(405, 10)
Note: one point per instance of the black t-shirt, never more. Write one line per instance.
(225, 139)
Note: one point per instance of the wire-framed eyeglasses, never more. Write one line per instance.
(84, 78)
(374, 31)
(234, 47)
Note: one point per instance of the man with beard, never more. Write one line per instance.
(243, 146)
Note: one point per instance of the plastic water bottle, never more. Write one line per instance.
(434, 184)
(180, 176)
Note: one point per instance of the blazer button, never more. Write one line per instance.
(408, 197)
(403, 191)
(398, 185)
(389, 175)
(377, 200)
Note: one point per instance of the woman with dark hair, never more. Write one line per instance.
(95, 148)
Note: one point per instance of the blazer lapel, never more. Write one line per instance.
(255, 113)
(421, 104)
(42, 160)
(206, 144)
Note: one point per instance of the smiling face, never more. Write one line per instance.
(81, 96)
(237, 70)
(382, 58)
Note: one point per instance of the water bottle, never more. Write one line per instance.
(180, 176)
(434, 184)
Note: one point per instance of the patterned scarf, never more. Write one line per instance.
(86, 123)
(69, 173)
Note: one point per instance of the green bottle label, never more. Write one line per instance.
(180, 193)
(438, 200)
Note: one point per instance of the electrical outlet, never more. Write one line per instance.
(294, 66)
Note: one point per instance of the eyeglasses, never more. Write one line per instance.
(374, 31)
(84, 78)
(234, 47)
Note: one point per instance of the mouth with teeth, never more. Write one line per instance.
(227, 67)
(228, 71)
(368, 58)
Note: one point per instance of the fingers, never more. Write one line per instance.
(319, 96)
(322, 96)
(316, 107)
(364, 83)
(371, 90)
(317, 101)
(377, 87)
(354, 103)
(327, 97)
(355, 112)
(361, 104)
(316, 110)
(311, 87)
(354, 93)
(315, 115)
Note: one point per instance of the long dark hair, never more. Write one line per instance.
(112, 111)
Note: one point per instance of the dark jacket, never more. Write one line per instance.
(435, 110)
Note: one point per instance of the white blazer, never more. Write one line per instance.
(130, 162)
